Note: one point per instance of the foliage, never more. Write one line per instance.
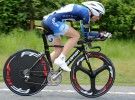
(119, 18)
(17, 13)
(11, 14)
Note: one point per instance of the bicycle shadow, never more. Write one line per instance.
(67, 96)
(60, 96)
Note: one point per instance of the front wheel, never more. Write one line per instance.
(92, 80)
(25, 72)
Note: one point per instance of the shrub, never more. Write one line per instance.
(119, 18)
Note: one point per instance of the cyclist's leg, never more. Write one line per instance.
(73, 37)
(60, 28)
(57, 51)
(54, 26)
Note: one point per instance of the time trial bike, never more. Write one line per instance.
(27, 71)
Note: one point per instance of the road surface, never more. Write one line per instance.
(66, 92)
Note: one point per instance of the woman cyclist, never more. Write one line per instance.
(90, 10)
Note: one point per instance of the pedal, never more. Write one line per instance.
(54, 78)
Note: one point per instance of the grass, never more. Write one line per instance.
(121, 52)
(17, 40)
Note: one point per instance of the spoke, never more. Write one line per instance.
(85, 70)
(93, 87)
(100, 69)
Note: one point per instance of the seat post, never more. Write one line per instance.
(46, 48)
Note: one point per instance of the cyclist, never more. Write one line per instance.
(90, 10)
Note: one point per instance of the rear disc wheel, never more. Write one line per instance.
(17, 76)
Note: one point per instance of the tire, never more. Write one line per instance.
(18, 64)
(96, 84)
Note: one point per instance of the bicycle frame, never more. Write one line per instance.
(75, 54)
(27, 72)
(70, 59)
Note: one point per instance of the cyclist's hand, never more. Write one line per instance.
(105, 34)
(92, 35)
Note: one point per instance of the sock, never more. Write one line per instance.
(62, 56)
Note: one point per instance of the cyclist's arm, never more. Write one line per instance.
(87, 33)
(85, 21)
(85, 25)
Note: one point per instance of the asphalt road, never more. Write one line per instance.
(66, 92)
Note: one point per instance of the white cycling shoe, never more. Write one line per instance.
(60, 61)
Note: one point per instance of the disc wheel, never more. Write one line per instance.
(20, 78)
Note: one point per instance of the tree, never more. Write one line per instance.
(9, 14)
(119, 18)
(20, 13)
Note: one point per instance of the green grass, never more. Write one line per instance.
(17, 40)
(121, 52)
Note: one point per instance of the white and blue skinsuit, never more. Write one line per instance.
(72, 12)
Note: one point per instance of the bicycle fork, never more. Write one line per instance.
(89, 65)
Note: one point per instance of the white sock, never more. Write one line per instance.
(62, 56)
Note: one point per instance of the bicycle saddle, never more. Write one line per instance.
(47, 30)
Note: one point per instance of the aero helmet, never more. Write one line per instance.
(95, 7)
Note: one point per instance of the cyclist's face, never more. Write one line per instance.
(95, 18)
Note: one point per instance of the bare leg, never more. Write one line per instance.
(57, 51)
(73, 36)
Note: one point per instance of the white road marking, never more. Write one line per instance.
(72, 91)
(122, 93)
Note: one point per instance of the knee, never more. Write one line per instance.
(78, 36)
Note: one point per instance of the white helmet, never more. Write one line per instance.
(95, 7)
